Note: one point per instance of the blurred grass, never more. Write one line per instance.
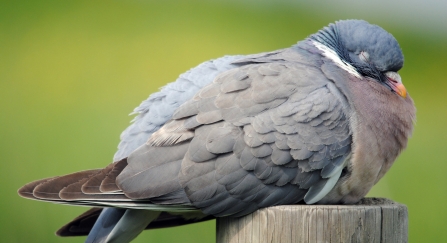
(71, 71)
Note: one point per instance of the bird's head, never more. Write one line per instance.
(365, 50)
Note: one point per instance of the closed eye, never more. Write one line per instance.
(364, 56)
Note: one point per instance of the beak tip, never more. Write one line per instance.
(394, 82)
(401, 90)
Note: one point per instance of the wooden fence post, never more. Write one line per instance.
(371, 220)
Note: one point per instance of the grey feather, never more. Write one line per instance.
(274, 120)
(167, 101)
(261, 151)
(92, 185)
(209, 117)
(198, 152)
(236, 85)
(144, 180)
(130, 225)
(247, 160)
(208, 92)
(222, 139)
(191, 123)
(281, 157)
(105, 223)
(187, 109)
(308, 180)
(312, 123)
(108, 183)
(318, 190)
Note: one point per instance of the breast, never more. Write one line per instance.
(381, 124)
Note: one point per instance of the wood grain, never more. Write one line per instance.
(376, 220)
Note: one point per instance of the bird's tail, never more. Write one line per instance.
(122, 218)
(120, 225)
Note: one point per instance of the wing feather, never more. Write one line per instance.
(261, 134)
(283, 140)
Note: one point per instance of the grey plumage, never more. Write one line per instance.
(105, 223)
(154, 112)
(130, 225)
(314, 123)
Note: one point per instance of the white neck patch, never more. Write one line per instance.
(329, 53)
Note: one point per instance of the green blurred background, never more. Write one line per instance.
(71, 72)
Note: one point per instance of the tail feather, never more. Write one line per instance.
(123, 218)
(82, 225)
(93, 184)
(49, 190)
(131, 224)
(109, 182)
(74, 192)
(98, 184)
(68, 189)
(105, 223)
(26, 191)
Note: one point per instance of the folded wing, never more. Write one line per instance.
(260, 135)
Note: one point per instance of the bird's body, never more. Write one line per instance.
(320, 122)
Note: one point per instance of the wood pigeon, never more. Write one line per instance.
(317, 123)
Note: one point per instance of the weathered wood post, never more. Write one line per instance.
(371, 220)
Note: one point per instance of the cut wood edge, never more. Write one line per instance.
(371, 220)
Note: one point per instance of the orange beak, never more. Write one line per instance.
(395, 82)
